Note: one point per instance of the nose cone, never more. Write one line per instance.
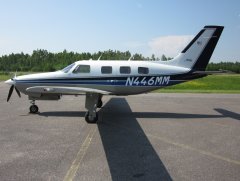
(9, 82)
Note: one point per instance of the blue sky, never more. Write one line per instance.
(142, 26)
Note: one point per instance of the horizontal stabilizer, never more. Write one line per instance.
(213, 72)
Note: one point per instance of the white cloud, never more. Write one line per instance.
(168, 45)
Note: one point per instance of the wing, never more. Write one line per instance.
(64, 90)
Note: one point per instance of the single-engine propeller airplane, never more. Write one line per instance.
(98, 78)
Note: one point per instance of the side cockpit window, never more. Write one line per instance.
(82, 69)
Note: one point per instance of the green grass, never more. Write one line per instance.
(226, 83)
(4, 77)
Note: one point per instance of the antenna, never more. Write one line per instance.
(15, 75)
(130, 58)
(99, 57)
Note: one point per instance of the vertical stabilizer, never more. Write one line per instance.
(198, 52)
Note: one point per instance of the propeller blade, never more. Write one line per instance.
(10, 92)
(18, 92)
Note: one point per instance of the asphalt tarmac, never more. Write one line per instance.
(143, 137)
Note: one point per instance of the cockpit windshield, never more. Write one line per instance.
(66, 69)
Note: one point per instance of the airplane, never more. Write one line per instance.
(98, 78)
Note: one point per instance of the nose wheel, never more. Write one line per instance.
(33, 108)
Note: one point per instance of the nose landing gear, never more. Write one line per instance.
(33, 108)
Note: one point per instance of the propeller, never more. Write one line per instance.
(12, 82)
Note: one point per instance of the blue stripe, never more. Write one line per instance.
(114, 83)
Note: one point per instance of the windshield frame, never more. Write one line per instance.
(68, 68)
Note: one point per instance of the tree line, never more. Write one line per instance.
(43, 61)
(229, 66)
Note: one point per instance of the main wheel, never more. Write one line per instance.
(33, 109)
(91, 119)
(100, 103)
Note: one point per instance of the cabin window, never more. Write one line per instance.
(106, 69)
(143, 70)
(82, 69)
(125, 70)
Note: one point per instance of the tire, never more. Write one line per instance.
(33, 109)
(91, 121)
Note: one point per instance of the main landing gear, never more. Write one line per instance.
(93, 101)
(100, 103)
(33, 108)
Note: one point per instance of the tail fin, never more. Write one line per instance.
(198, 52)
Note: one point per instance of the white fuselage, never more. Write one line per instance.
(125, 77)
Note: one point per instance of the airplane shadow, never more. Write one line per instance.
(63, 114)
(227, 113)
(129, 153)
